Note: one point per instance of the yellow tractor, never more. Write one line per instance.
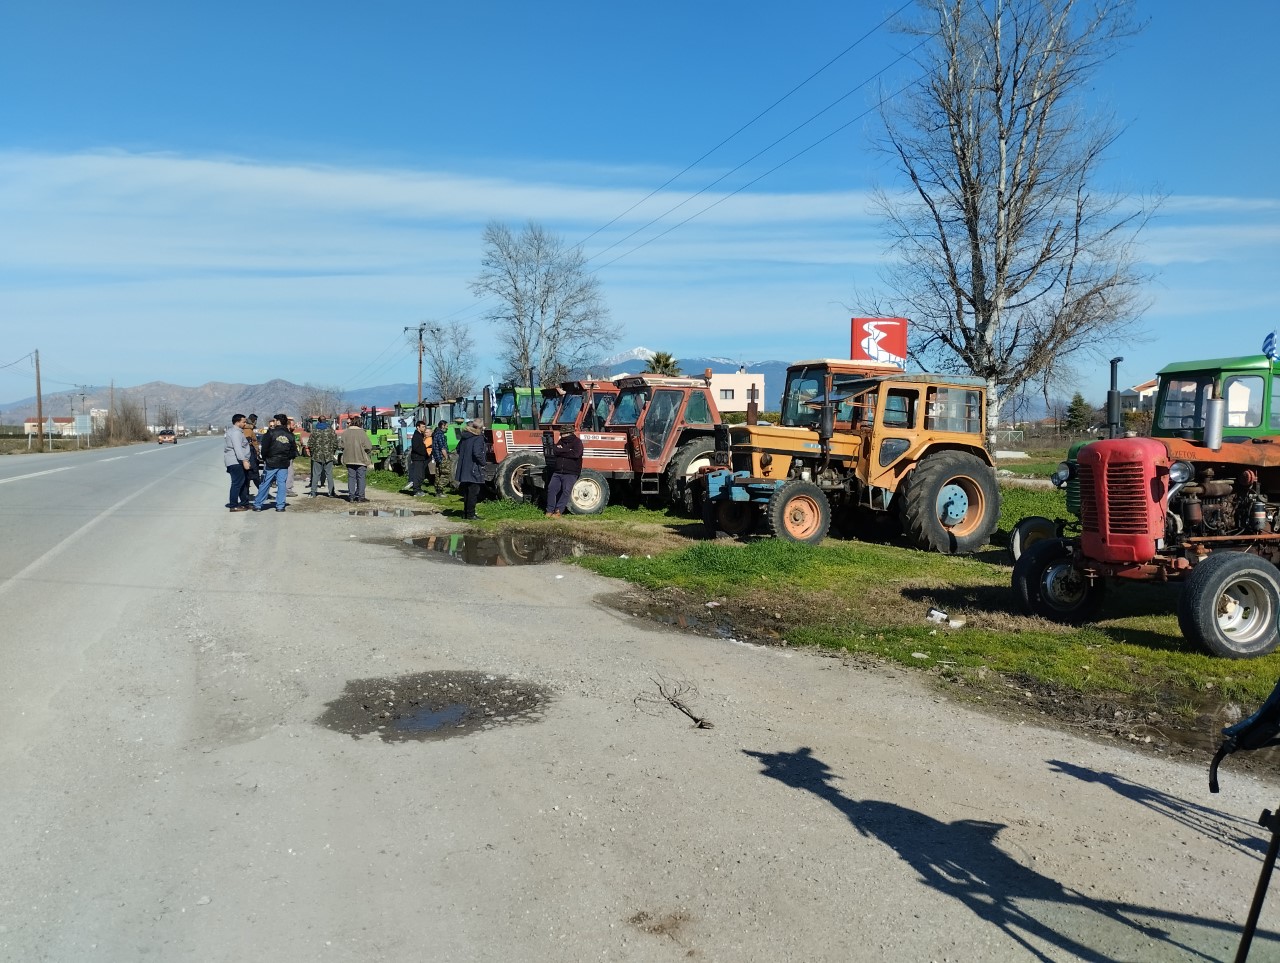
(873, 445)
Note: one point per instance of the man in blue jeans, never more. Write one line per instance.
(235, 455)
(279, 448)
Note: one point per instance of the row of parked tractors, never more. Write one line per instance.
(868, 450)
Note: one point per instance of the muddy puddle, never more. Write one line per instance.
(387, 512)
(433, 705)
(509, 548)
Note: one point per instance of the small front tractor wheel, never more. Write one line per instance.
(798, 512)
(1047, 584)
(590, 493)
(737, 518)
(1230, 605)
(514, 480)
(1028, 531)
(684, 465)
(951, 503)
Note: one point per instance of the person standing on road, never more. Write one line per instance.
(254, 475)
(235, 455)
(468, 469)
(567, 468)
(357, 455)
(440, 455)
(322, 443)
(278, 450)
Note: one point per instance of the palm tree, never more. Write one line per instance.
(662, 363)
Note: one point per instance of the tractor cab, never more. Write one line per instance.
(1247, 385)
(669, 423)
(513, 408)
(586, 405)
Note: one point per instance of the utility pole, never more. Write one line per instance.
(39, 404)
(421, 347)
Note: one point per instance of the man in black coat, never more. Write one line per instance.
(567, 468)
(279, 448)
(468, 467)
(419, 456)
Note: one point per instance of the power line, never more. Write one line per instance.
(847, 94)
(754, 180)
(25, 357)
(802, 83)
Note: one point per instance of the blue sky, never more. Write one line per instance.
(238, 192)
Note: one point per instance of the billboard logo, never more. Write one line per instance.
(879, 339)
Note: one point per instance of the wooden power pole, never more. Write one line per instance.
(39, 402)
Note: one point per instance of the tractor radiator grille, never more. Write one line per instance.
(1126, 500)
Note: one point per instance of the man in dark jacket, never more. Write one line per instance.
(419, 457)
(567, 468)
(468, 467)
(279, 448)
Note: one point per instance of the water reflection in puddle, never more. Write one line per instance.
(387, 512)
(510, 548)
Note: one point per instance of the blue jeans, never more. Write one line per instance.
(236, 472)
(278, 475)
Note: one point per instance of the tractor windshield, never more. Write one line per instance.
(1183, 400)
(547, 413)
(630, 404)
(805, 388)
(568, 414)
(506, 406)
(598, 412)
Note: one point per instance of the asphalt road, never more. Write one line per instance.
(166, 791)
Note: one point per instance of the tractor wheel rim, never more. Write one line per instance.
(1244, 610)
(802, 517)
(960, 506)
(1062, 587)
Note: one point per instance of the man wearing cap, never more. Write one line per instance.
(440, 454)
(468, 469)
(357, 456)
(567, 468)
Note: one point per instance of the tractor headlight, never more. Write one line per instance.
(1181, 472)
(1066, 470)
(766, 460)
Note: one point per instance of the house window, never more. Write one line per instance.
(726, 394)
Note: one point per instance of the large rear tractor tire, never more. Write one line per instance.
(951, 503)
(684, 465)
(516, 473)
(1028, 531)
(798, 512)
(1230, 605)
(1046, 584)
(738, 519)
(590, 493)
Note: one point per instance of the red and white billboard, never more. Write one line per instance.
(879, 339)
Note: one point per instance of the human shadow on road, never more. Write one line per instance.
(961, 860)
(1238, 833)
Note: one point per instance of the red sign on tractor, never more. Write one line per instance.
(879, 339)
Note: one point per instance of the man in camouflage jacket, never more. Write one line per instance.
(323, 445)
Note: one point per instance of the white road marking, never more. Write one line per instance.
(75, 536)
(36, 474)
(117, 458)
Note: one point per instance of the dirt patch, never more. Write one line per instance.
(433, 705)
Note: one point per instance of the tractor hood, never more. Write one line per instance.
(772, 437)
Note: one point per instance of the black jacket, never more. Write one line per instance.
(418, 446)
(569, 455)
(278, 447)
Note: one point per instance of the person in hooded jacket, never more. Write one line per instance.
(468, 466)
(279, 449)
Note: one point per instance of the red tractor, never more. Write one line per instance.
(519, 454)
(1199, 505)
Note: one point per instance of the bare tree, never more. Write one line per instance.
(1007, 261)
(166, 415)
(551, 315)
(448, 356)
(320, 400)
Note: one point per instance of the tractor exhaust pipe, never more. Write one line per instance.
(1215, 418)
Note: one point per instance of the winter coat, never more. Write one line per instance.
(418, 449)
(356, 447)
(323, 443)
(278, 447)
(469, 458)
(568, 453)
(235, 448)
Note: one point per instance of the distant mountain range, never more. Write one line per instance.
(214, 403)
